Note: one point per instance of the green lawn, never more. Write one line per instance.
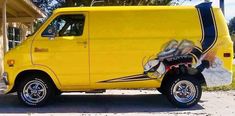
(233, 84)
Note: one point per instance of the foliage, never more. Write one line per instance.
(47, 6)
(232, 26)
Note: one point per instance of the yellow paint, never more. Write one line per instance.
(115, 43)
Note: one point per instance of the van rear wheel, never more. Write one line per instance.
(35, 90)
(184, 92)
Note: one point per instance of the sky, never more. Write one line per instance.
(229, 6)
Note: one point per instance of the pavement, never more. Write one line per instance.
(121, 102)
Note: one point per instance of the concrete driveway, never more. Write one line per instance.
(119, 102)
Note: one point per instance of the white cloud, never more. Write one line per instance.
(229, 9)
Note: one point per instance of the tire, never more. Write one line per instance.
(161, 90)
(35, 90)
(57, 92)
(184, 92)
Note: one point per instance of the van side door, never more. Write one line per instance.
(63, 47)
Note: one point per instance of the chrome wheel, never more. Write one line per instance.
(34, 91)
(184, 91)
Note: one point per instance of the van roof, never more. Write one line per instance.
(120, 8)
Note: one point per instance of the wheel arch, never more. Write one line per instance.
(175, 73)
(49, 75)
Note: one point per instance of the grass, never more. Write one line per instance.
(233, 37)
(233, 83)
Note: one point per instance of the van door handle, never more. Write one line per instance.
(82, 42)
(36, 49)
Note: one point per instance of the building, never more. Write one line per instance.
(17, 17)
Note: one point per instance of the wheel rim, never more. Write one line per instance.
(184, 91)
(34, 91)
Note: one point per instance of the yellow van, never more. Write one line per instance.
(175, 49)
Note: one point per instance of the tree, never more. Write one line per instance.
(47, 6)
(231, 26)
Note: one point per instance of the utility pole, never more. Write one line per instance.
(221, 3)
(4, 26)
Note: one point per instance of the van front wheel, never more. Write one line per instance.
(34, 91)
(184, 92)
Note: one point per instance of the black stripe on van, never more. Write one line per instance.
(139, 77)
(197, 53)
(208, 26)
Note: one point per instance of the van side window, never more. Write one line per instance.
(65, 25)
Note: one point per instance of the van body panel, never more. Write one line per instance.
(220, 72)
(22, 59)
(67, 56)
(123, 45)
(129, 47)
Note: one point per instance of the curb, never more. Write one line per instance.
(1, 91)
(2, 87)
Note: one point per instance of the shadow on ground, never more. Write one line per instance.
(94, 104)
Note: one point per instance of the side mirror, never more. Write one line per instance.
(50, 32)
